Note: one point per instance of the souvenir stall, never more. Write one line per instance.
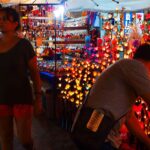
(77, 46)
(57, 42)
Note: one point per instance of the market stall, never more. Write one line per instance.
(75, 46)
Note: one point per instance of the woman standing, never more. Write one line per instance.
(17, 62)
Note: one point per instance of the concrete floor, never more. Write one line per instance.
(48, 136)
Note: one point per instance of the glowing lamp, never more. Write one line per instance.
(84, 79)
(77, 102)
(126, 56)
(76, 92)
(117, 55)
(67, 87)
(59, 85)
(125, 44)
(79, 88)
(71, 93)
(59, 79)
(72, 99)
(59, 12)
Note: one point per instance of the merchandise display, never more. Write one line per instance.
(77, 46)
(113, 45)
(56, 42)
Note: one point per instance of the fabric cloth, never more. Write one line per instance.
(14, 82)
(114, 137)
(17, 111)
(116, 91)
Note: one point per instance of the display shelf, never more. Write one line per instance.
(50, 36)
(70, 42)
(76, 28)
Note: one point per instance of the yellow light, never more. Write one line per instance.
(129, 51)
(81, 94)
(117, 55)
(76, 92)
(92, 66)
(84, 79)
(85, 76)
(79, 87)
(71, 93)
(89, 79)
(126, 56)
(59, 85)
(89, 85)
(80, 71)
(66, 79)
(111, 26)
(80, 103)
(104, 63)
(72, 99)
(77, 102)
(103, 48)
(94, 73)
(81, 98)
(77, 81)
(88, 72)
(97, 66)
(122, 33)
(125, 44)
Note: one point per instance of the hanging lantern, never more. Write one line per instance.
(99, 42)
(114, 41)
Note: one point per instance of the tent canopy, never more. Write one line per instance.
(108, 5)
(97, 5)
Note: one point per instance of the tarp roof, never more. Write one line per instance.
(31, 1)
(98, 5)
(108, 5)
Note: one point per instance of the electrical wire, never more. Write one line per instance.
(95, 3)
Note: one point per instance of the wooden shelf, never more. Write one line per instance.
(75, 28)
(70, 42)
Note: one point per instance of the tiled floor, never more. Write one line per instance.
(48, 136)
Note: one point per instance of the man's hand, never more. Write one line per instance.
(134, 127)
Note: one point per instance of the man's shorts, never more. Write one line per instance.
(17, 111)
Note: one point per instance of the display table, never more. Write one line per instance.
(55, 108)
(48, 90)
(48, 76)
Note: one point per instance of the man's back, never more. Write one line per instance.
(118, 86)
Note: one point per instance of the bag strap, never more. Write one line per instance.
(78, 112)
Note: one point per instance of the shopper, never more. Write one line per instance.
(17, 64)
(110, 101)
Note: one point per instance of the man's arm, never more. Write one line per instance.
(134, 127)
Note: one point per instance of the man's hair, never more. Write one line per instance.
(12, 13)
(143, 52)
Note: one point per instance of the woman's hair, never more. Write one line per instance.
(143, 52)
(12, 15)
